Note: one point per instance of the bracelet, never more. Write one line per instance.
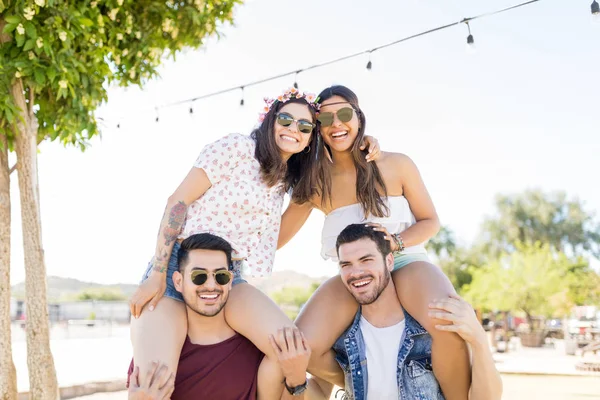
(399, 243)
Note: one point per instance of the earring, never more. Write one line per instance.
(307, 149)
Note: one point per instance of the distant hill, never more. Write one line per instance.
(59, 287)
(281, 279)
(64, 287)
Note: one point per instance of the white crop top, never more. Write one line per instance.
(401, 217)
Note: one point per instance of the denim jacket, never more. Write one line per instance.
(414, 373)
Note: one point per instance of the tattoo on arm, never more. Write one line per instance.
(171, 225)
(175, 222)
(160, 263)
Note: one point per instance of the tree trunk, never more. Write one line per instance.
(529, 319)
(42, 375)
(8, 374)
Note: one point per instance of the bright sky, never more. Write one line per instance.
(522, 112)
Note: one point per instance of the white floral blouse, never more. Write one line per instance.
(239, 206)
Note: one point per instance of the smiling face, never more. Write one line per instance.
(209, 298)
(342, 132)
(364, 270)
(289, 139)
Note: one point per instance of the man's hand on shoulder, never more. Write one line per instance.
(157, 385)
(293, 353)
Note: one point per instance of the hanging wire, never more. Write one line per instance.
(349, 56)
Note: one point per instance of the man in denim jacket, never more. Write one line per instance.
(384, 337)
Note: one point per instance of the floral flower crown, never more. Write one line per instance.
(289, 94)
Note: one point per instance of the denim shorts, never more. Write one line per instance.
(171, 292)
(402, 260)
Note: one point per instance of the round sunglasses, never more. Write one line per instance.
(200, 276)
(344, 115)
(304, 126)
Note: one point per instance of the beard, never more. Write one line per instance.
(371, 296)
(191, 301)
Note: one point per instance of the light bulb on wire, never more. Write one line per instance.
(242, 100)
(369, 64)
(595, 9)
(296, 80)
(470, 40)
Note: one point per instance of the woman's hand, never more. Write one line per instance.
(151, 290)
(374, 150)
(380, 228)
(464, 320)
(293, 354)
(157, 385)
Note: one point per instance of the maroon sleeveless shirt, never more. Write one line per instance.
(226, 370)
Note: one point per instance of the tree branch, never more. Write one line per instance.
(13, 168)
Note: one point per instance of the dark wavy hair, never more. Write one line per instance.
(370, 187)
(355, 232)
(202, 241)
(299, 174)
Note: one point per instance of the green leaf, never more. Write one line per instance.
(9, 115)
(13, 19)
(30, 30)
(20, 40)
(40, 77)
(86, 22)
(51, 73)
(30, 44)
(8, 28)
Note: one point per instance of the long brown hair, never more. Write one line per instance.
(299, 174)
(370, 187)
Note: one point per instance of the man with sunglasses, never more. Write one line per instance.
(216, 362)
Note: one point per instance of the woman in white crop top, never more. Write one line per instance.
(390, 195)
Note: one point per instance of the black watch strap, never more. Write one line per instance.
(296, 390)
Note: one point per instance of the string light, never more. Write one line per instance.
(191, 109)
(470, 42)
(595, 8)
(470, 38)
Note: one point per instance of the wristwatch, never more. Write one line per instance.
(296, 390)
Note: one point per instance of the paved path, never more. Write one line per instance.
(546, 360)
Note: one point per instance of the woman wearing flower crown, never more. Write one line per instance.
(389, 195)
(235, 190)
